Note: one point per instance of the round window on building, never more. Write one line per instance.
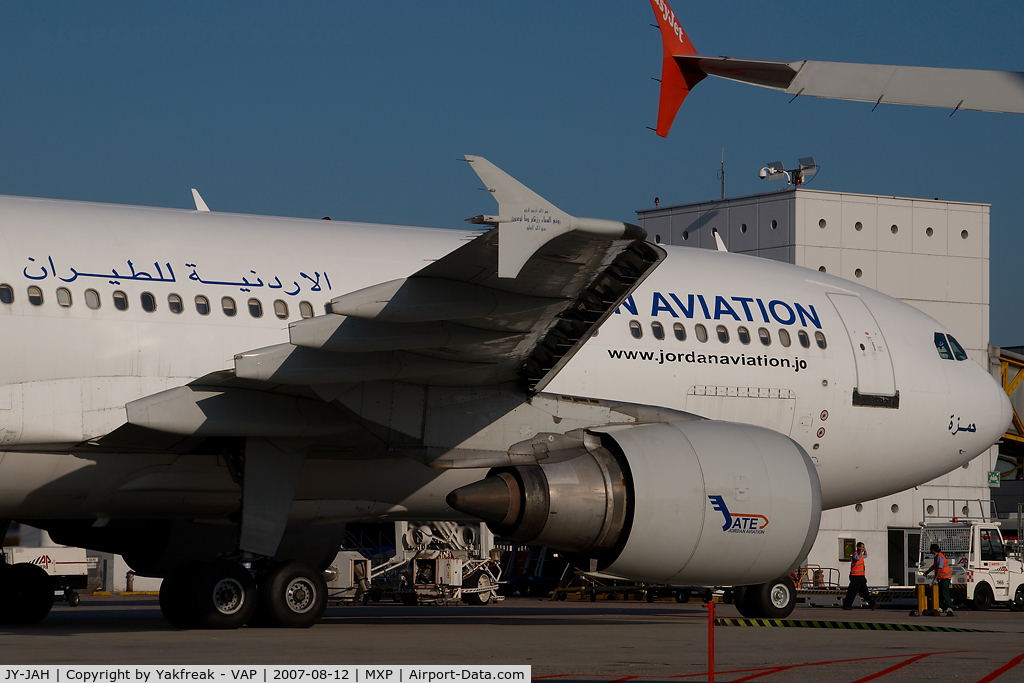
(929, 232)
(202, 305)
(775, 224)
(821, 269)
(679, 331)
(784, 338)
(120, 300)
(821, 224)
(963, 234)
(858, 226)
(64, 297)
(281, 309)
(657, 330)
(858, 272)
(858, 507)
(894, 228)
(657, 239)
(92, 299)
(701, 332)
(895, 508)
(686, 235)
(743, 227)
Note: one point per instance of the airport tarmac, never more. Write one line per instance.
(573, 641)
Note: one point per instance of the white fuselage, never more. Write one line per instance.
(70, 370)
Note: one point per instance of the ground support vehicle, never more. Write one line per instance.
(67, 567)
(984, 574)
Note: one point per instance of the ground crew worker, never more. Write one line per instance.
(943, 573)
(858, 582)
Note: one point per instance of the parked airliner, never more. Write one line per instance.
(214, 396)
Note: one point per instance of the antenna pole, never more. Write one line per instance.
(721, 173)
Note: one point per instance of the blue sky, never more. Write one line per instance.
(360, 110)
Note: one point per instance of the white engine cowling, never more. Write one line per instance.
(698, 503)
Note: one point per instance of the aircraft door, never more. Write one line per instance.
(874, 365)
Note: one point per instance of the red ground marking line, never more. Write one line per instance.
(1003, 669)
(619, 680)
(888, 671)
(765, 673)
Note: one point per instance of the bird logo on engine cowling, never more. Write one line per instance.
(738, 523)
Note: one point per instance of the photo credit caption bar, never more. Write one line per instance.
(385, 673)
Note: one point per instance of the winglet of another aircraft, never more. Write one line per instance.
(677, 78)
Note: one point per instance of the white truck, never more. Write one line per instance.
(67, 567)
(984, 572)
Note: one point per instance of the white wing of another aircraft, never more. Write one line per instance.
(953, 89)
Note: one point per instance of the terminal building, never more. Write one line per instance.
(932, 254)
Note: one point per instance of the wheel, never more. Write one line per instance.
(29, 594)
(650, 596)
(728, 596)
(683, 596)
(72, 598)
(174, 597)
(982, 597)
(292, 596)
(742, 599)
(221, 595)
(1017, 604)
(409, 599)
(773, 600)
(480, 579)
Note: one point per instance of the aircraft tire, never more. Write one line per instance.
(174, 597)
(291, 596)
(29, 594)
(773, 600)
(222, 595)
(742, 599)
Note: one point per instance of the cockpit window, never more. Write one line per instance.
(942, 347)
(958, 351)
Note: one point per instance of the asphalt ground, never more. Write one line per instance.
(602, 642)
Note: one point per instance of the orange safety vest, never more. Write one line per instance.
(857, 568)
(944, 571)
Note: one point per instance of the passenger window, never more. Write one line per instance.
(120, 300)
(942, 347)
(281, 311)
(635, 328)
(958, 351)
(227, 304)
(174, 304)
(805, 341)
(92, 299)
(723, 334)
(657, 330)
(701, 332)
(679, 331)
(35, 296)
(64, 297)
(744, 335)
(765, 336)
(255, 308)
(202, 305)
(6, 294)
(148, 302)
(784, 338)
(819, 338)
(306, 309)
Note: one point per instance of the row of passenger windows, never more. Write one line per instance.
(951, 350)
(742, 333)
(175, 304)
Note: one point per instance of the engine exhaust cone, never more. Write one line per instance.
(494, 500)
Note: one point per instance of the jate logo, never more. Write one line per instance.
(736, 523)
(43, 561)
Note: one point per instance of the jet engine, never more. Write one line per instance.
(702, 503)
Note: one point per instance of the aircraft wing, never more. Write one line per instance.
(512, 305)
(683, 68)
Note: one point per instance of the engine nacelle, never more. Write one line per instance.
(702, 502)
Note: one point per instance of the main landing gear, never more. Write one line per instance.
(773, 600)
(226, 595)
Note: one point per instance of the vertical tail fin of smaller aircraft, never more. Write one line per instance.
(676, 79)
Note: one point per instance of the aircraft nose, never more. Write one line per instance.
(997, 411)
